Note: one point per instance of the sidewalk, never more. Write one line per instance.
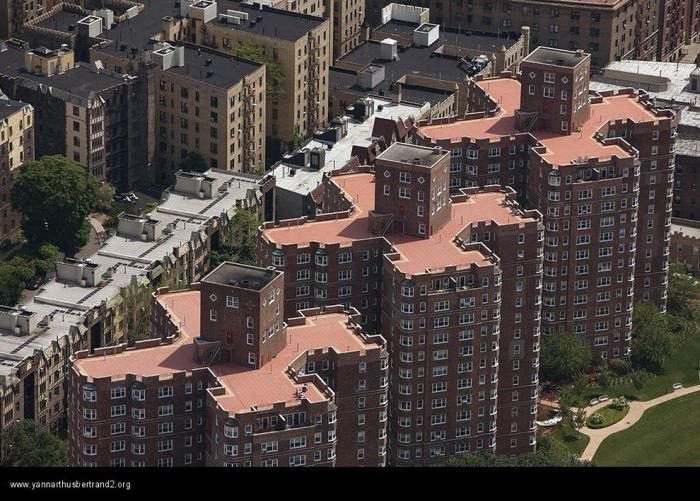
(635, 413)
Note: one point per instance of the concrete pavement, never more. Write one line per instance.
(635, 413)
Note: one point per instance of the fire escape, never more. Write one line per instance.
(313, 84)
(248, 128)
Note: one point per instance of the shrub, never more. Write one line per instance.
(596, 420)
(619, 367)
(619, 404)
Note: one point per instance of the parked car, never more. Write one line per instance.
(35, 282)
(594, 401)
(603, 398)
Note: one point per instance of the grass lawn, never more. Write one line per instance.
(571, 439)
(680, 367)
(610, 416)
(667, 435)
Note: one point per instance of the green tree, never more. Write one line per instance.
(564, 356)
(683, 289)
(579, 387)
(567, 399)
(27, 444)
(579, 419)
(548, 453)
(45, 259)
(639, 380)
(239, 242)
(55, 196)
(273, 70)
(104, 198)
(137, 311)
(604, 379)
(14, 275)
(194, 162)
(651, 340)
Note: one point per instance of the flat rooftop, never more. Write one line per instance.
(227, 70)
(561, 149)
(359, 134)
(121, 258)
(687, 147)
(417, 254)
(275, 23)
(631, 74)
(420, 61)
(244, 387)
(238, 275)
(159, 360)
(557, 57)
(62, 21)
(408, 153)
(80, 81)
(460, 38)
(270, 384)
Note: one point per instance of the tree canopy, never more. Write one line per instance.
(27, 444)
(238, 245)
(14, 275)
(194, 162)
(55, 195)
(651, 339)
(564, 356)
(548, 454)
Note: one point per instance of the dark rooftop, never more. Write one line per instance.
(138, 30)
(556, 57)
(408, 153)
(275, 23)
(79, 81)
(412, 61)
(9, 107)
(243, 276)
(451, 36)
(420, 95)
(62, 21)
(227, 70)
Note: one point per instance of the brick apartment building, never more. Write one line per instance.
(608, 30)
(599, 169)
(346, 17)
(14, 13)
(210, 103)
(299, 43)
(16, 147)
(83, 112)
(454, 283)
(228, 382)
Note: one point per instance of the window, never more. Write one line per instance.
(165, 391)
(117, 428)
(405, 177)
(118, 410)
(165, 410)
(297, 443)
(404, 192)
(118, 392)
(212, 315)
(548, 92)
